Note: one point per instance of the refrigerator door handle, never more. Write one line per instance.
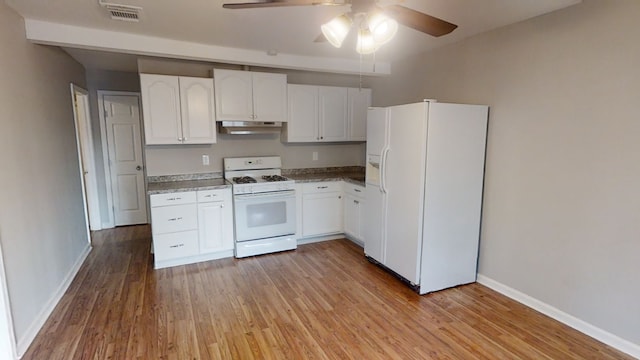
(383, 170)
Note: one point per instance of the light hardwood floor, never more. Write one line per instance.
(322, 301)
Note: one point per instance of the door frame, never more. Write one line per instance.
(111, 222)
(86, 156)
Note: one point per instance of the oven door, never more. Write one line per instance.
(265, 215)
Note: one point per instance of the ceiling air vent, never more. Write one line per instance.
(122, 12)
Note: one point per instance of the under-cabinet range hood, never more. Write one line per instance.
(249, 127)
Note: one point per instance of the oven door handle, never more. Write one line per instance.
(268, 195)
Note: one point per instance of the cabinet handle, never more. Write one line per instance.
(322, 187)
(210, 195)
(356, 202)
(175, 219)
(356, 190)
(176, 246)
(174, 198)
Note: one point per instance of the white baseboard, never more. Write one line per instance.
(595, 332)
(26, 340)
(315, 239)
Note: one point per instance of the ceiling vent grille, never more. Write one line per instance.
(123, 12)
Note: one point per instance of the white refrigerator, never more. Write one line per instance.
(424, 182)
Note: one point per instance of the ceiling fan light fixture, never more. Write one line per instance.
(366, 44)
(336, 30)
(383, 28)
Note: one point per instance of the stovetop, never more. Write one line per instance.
(256, 175)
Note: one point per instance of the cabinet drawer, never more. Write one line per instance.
(212, 195)
(167, 219)
(175, 245)
(321, 187)
(173, 198)
(354, 190)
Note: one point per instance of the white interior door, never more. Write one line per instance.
(122, 117)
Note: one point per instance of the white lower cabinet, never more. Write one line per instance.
(215, 221)
(192, 226)
(354, 205)
(322, 208)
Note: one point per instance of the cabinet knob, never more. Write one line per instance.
(138, 167)
(340, 197)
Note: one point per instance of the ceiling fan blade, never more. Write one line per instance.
(278, 3)
(419, 21)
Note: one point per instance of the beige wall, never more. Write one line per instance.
(42, 227)
(162, 160)
(561, 216)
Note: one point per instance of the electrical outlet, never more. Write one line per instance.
(205, 159)
(315, 156)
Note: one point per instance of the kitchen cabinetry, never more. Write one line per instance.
(354, 205)
(322, 208)
(191, 226)
(215, 220)
(250, 96)
(178, 109)
(326, 114)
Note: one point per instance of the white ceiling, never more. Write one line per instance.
(288, 30)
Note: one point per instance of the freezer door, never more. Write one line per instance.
(403, 180)
(376, 130)
(374, 223)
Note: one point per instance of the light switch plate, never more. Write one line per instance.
(315, 156)
(205, 159)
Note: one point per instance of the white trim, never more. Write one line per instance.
(7, 333)
(84, 142)
(48, 33)
(33, 329)
(192, 259)
(557, 314)
(315, 239)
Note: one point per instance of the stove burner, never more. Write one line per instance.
(271, 178)
(244, 180)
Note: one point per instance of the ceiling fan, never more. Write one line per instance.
(376, 20)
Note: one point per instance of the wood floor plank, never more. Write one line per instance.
(322, 301)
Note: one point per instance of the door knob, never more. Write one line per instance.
(138, 167)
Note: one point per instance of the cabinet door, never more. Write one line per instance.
(234, 98)
(198, 114)
(333, 113)
(321, 213)
(214, 229)
(161, 109)
(359, 102)
(270, 97)
(302, 123)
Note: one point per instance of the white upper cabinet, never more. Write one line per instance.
(197, 105)
(359, 102)
(250, 96)
(270, 97)
(302, 125)
(177, 110)
(333, 113)
(161, 109)
(326, 114)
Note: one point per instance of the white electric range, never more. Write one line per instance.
(264, 205)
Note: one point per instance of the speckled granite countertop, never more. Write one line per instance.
(350, 174)
(181, 183)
